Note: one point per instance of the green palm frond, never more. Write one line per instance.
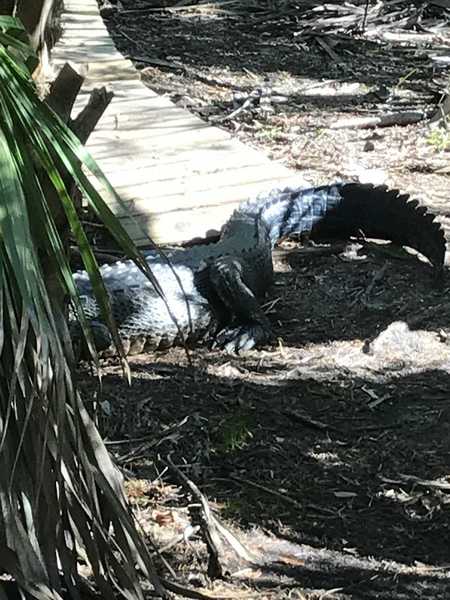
(14, 39)
(60, 493)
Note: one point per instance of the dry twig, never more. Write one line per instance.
(386, 120)
(196, 595)
(244, 106)
(211, 528)
(264, 488)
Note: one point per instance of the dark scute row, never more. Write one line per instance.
(379, 212)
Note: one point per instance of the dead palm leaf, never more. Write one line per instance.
(60, 494)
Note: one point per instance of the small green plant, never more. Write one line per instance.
(269, 134)
(405, 78)
(234, 433)
(439, 139)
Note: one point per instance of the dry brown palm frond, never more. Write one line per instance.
(61, 496)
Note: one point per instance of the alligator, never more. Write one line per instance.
(213, 291)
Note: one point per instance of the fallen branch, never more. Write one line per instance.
(211, 528)
(196, 595)
(244, 106)
(428, 483)
(258, 486)
(308, 421)
(387, 120)
(327, 48)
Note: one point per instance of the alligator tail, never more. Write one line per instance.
(378, 212)
(352, 209)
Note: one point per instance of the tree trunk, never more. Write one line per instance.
(39, 19)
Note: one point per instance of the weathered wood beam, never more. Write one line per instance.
(64, 90)
(86, 120)
(61, 98)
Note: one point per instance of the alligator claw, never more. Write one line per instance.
(240, 339)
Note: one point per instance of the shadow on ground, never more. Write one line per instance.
(270, 46)
(331, 462)
(337, 483)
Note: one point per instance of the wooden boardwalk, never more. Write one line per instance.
(179, 176)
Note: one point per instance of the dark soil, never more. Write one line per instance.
(327, 453)
(331, 463)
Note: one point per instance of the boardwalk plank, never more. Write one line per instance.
(178, 176)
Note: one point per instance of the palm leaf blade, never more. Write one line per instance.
(57, 482)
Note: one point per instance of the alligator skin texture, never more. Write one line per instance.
(213, 291)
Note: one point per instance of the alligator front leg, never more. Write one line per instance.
(249, 326)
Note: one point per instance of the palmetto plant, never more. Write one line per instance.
(60, 494)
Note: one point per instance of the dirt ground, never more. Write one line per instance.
(328, 452)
